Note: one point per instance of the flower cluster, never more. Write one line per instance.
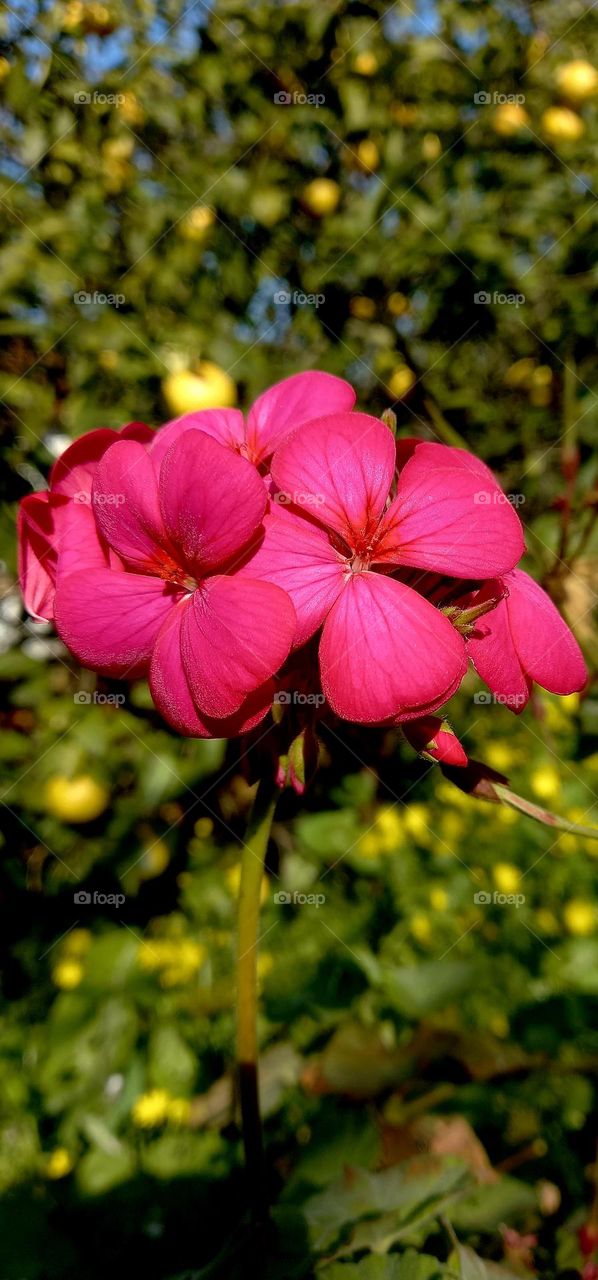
(216, 556)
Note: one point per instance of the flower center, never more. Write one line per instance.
(360, 562)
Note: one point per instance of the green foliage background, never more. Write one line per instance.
(406, 1028)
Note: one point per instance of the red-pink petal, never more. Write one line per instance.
(37, 552)
(450, 516)
(385, 648)
(297, 556)
(74, 470)
(339, 469)
(126, 506)
(493, 653)
(431, 736)
(172, 695)
(547, 649)
(225, 425)
(110, 620)
(212, 500)
(236, 633)
(290, 403)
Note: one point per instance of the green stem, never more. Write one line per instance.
(252, 873)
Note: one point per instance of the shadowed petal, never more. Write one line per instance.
(290, 403)
(110, 620)
(224, 425)
(297, 556)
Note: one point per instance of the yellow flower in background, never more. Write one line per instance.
(439, 899)
(368, 154)
(366, 63)
(388, 826)
(397, 304)
(368, 845)
(450, 828)
(546, 921)
(545, 782)
(68, 974)
(421, 927)
(58, 1163)
(176, 960)
(506, 817)
(506, 876)
(579, 917)
(416, 819)
(265, 964)
(151, 1109)
(566, 843)
(500, 755)
(362, 308)
(77, 942)
(203, 828)
(179, 1111)
(499, 1025)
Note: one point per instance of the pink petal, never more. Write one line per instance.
(127, 508)
(37, 552)
(339, 469)
(385, 648)
(493, 653)
(450, 516)
(172, 695)
(297, 556)
(212, 500)
(74, 470)
(547, 649)
(225, 425)
(236, 633)
(290, 403)
(110, 620)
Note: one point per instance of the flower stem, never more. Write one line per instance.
(252, 872)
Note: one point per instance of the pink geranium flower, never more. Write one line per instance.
(56, 528)
(280, 410)
(170, 602)
(385, 650)
(524, 640)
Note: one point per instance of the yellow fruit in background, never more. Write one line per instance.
(321, 196)
(207, 387)
(431, 146)
(78, 799)
(577, 79)
(405, 113)
(131, 109)
(368, 154)
(68, 974)
(397, 304)
(519, 373)
(4, 68)
(540, 391)
(197, 222)
(421, 927)
(439, 899)
(366, 63)
(579, 917)
(545, 782)
(509, 118)
(268, 205)
(401, 382)
(561, 124)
